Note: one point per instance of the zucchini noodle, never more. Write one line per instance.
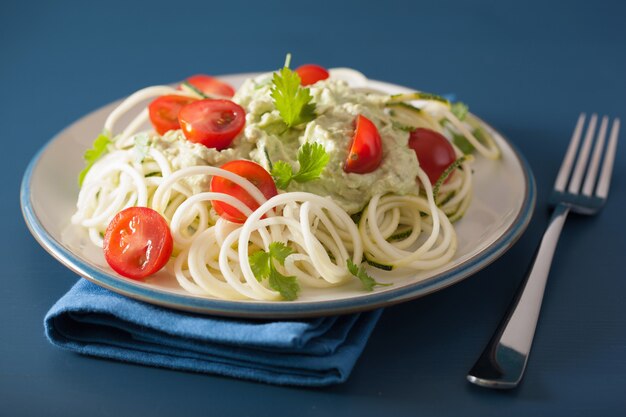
(411, 230)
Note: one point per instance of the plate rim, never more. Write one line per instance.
(279, 310)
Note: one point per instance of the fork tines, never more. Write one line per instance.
(582, 160)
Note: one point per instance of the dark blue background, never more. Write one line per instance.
(527, 67)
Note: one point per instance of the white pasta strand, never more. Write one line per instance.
(181, 216)
(162, 193)
(490, 151)
(429, 253)
(206, 276)
(125, 139)
(137, 98)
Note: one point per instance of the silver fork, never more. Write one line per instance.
(502, 363)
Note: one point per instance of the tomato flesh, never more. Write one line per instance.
(213, 123)
(311, 73)
(254, 173)
(137, 242)
(164, 112)
(434, 153)
(366, 151)
(211, 86)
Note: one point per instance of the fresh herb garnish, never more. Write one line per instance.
(262, 264)
(368, 282)
(312, 158)
(282, 173)
(459, 109)
(98, 148)
(292, 101)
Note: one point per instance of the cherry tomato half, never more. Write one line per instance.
(137, 242)
(164, 112)
(254, 173)
(211, 86)
(433, 151)
(366, 151)
(213, 123)
(311, 73)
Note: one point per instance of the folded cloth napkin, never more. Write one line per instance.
(309, 352)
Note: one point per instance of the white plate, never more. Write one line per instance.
(503, 202)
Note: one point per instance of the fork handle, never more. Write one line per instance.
(502, 363)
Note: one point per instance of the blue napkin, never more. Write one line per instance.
(309, 352)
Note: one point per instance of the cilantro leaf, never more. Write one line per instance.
(263, 267)
(280, 251)
(98, 148)
(368, 282)
(282, 173)
(285, 285)
(312, 158)
(260, 264)
(459, 109)
(292, 101)
(353, 268)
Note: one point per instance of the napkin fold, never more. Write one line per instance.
(308, 352)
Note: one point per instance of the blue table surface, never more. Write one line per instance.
(528, 68)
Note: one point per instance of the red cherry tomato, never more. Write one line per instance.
(213, 123)
(254, 173)
(433, 151)
(311, 73)
(211, 86)
(164, 112)
(366, 151)
(137, 242)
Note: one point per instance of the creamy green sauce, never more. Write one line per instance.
(337, 106)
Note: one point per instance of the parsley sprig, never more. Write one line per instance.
(312, 158)
(368, 282)
(262, 264)
(98, 148)
(292, 101)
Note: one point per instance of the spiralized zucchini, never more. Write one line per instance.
(211, 255)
